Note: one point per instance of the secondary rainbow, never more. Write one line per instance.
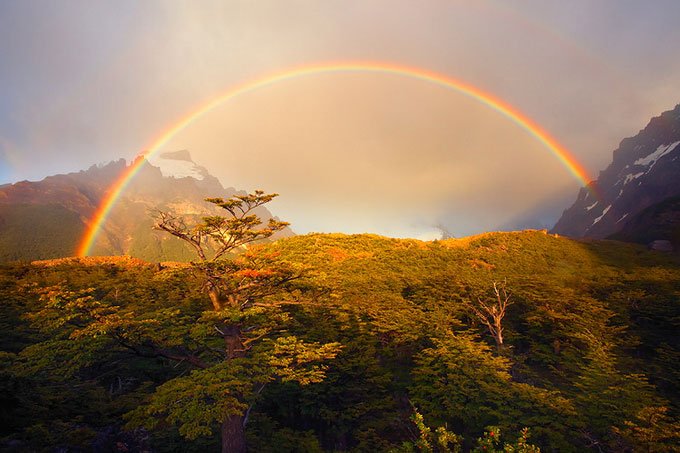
(115, 190)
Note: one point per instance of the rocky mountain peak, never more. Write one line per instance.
(58, 209)
(645, 170)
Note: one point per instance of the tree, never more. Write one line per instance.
(242, 313)
(620, 410)
(218, 236)
(227, 351)
(491, 313)
(460, 382)
(652, 430)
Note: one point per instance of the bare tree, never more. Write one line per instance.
(491, 312)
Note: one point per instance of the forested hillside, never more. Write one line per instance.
(388, 329)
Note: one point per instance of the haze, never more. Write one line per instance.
(88, 82)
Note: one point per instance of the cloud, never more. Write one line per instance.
(84, 82)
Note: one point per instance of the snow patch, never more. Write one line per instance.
(622, 217)
(588, 208)
(654, 157)
(177, 168)
(628, 178)
(603, 214)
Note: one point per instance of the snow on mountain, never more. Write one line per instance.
(629, 177)
(604, 213)
(177, 164)
(59, 208)
(653, 158)
(645, 170)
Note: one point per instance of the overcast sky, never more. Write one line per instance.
(85, 82)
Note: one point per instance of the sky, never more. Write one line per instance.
(86, 82)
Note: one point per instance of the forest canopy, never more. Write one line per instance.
(347, 343)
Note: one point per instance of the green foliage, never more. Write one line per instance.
(652, 430)
(55, 232)
(607, 397)
(223, 234)
(445, 441)
(441, 441)
(198, 402)
(267, 436)
(590, 360)
(491, 442)
(461, 383)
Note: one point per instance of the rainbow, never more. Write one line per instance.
(117, 188)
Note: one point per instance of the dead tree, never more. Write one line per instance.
(491, 313)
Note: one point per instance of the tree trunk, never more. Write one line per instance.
(233, 345)
(233, 430)
(215, 298)
(233, 435)
(499, 333)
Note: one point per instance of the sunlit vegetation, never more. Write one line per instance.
(53, 229)
(375, 345)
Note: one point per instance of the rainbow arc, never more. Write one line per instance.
(493, 102)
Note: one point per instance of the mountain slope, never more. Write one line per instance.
(46, 219)
(645, 171)
(660, 221)
(45, 222)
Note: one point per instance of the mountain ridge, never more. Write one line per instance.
(72, 199)
(645, 170)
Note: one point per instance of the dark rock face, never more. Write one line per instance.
(660, 221)
(645, 171)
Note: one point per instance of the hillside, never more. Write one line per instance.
(591, 347)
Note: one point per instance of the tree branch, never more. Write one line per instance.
(156, 351)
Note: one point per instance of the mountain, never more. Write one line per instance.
(178, 164)
(645, 171)
(46, 219)
(660, 221)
